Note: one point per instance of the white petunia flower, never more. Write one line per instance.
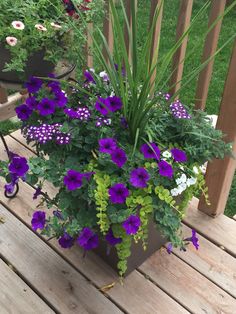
(182, 179)
(174, 192)
(191, 181)
(182, 187)
(195, 170)
(92, 70)
(18, 25)
(40, 27)
(56, 26)
(166, 154)
(12, 41)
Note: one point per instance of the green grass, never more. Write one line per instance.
(167, 39)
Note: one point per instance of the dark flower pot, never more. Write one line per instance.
(138, 255)
(35, 65)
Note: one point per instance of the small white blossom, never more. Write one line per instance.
(174, 192)
(182, 179)
(195, 170)
(92, 70)
(18, 25)
(203, 168)
(166, 154)
(12, 41)
(104, 76)
(56, 26)
(182, 187)
(40, 27)
(191, 181)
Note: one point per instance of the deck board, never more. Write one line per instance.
(186, 285)
(195, 281)
(59, 283)
(220, 230)
(211, 261)
(16, 294)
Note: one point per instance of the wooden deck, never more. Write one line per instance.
(37, 276)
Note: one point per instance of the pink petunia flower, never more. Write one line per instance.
(40, 27)
(56, 26)
(12, 41)
(18, 25)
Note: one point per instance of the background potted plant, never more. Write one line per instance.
(121, 157)
(36, 35)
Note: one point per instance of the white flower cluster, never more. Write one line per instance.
(182, 184)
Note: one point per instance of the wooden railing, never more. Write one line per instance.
(219, 173)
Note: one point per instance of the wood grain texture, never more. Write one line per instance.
(186, 285)
(59, 283)
(219, 174)
(211, 261)
(107, 31)
(3, 95)
(7, 110)
(93, 267)
(185, 12)
(211, 41)
(220, 230)
(16, 296)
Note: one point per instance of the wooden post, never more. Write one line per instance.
(217, 8)
(219, 175)
(107, 30)
(127, 39)
(3, 95)
(185, 13)
(89, 46)
(156, 36)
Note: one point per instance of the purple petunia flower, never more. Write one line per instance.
(178, 155)
(139, 178)
(118, 193)
(107, 145)
(37, 193)
(18, 166)
(88, 76)
(169, 248)
(102, 105)
(111, 239)
(119, 157)
(165, 169)
(66, 241)
(34, 85)
(23, 112)
(115, 103)
(39, 220)
(132, 224)
(87, 239)
(31, 102)
(46, 107)
(61, 99)
(150, 150)
(57, 213)
(73, 180)
(54, 85)
(9, 188)
(124, 122)
(194, 239)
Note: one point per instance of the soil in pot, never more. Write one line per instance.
(36, 65)
(138, 255)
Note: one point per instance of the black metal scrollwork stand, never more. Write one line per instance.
(16, 189)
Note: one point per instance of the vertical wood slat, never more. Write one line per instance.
(129, 16)
(89, 46)
(107, 30)
(185, 12)
(3, 95)
(219, 175)
(155, 4)
(217, 8)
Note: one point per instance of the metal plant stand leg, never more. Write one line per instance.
(16, 190)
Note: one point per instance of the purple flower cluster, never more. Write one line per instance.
(48, 132)
(102, 121)
(107, 105)
(82, 113)
(87, 239)
(18, 168)
(109, 146)
(74, 179)
(179, 111)
(33, 85)
(38, 220)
